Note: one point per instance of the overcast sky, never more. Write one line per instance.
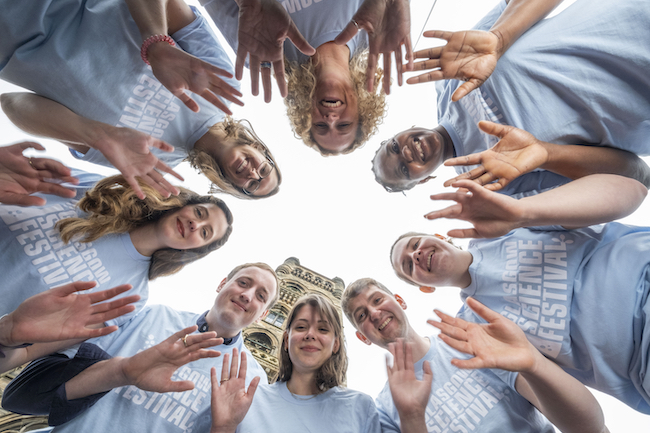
(331, 214)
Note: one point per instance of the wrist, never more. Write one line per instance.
(152, 41)
(501, 46)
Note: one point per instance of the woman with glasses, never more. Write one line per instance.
(106, 104)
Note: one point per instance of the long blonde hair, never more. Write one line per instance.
(113, 207)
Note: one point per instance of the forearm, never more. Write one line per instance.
(575, 161)
(14, 358)
(101, 377)
(519, 16)
(44, 117)
(412, 423)
(159, 17)
(593, 199)
(567, 403)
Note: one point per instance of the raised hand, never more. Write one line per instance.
(179, 71)
(518, 152)
(230, 399)
(21, 176)
(388, 24)
(152, 369)
(492, 214)
(263, 27)
(410, 395)
(500, 343)
(469, 56)
(63, 314)
(128, 151)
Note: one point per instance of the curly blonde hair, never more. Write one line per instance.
(113, 207)
(302, 85)
(244, 135)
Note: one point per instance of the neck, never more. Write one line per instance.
(447, 143)
(144, 239)
(331, 57)
(221, 330)
(420, 344)
(465, 278)
(303, 383)
(214, 143)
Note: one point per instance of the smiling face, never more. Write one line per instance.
(246, 165)
(429, 261)
(242, 299)
(409, 157)
(192, 226)
(310, 339)
(334, 114)
(378, 316)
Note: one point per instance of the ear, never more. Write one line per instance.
(439, 236)
(400, 301)
(285, 341)
(427, 289)
(363, 338)
(337, 346)
(426, 179)
(221, 284)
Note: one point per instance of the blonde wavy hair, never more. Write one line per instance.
(302, 85)
(244, 134)
(332, 372)
(113, 207)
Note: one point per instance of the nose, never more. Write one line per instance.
(407, 154)
(245, 297)
(309, 334)
(331, 117)
(195, 225)
(374, 314)
(416, 256)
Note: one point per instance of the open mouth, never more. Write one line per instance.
(419, 150)
(385, 323)
(429, 260)
(179, 226)
(331, 103)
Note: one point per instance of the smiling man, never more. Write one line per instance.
(84, 402)
(459, 400)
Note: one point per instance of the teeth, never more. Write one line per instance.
(241, 167)
(418, 147)
(383, 325)
(331, 104)
(429, 261)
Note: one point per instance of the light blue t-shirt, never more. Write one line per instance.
(338, 410)
(86, 56)
(575, 78)
(130, 409)
(35, 259)
(467, 400)
(580, 296)
(318, 21)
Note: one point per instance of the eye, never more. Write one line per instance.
(299, 327)
(394, 146)
(416, 139)
(415, 245)
(261, 297)
(321, 126)
(204, 233)
(410, 268)
(377, 299)
(360, 317)
(344, 125)
(404, 171)
(324, 330)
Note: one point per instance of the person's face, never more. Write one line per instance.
(246, 165)
(409, 157)
(310, 340)
(244, 298)
(379, 316)
(334, 114)
(427, 260)
(193, 226)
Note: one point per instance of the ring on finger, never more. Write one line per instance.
(356, 24)
(185, 340)
(223, 380)
(265, 65)
(30, 162)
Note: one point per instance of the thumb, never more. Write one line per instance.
(492, 128)
(162, 145)
(346, 34)
(465, 88)
(184, 385)
(299, 41)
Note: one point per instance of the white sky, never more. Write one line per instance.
(331, 214)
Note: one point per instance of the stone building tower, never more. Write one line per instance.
(264, 339)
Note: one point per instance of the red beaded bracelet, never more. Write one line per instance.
(152, 40)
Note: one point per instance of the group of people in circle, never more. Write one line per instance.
(544, 119)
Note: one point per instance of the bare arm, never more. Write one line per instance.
(125, 148)
(586, 201)
(177, 70)
(519, 152)
(149, 370)
(502, 344)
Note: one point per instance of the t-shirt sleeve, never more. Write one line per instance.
(372, 416)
